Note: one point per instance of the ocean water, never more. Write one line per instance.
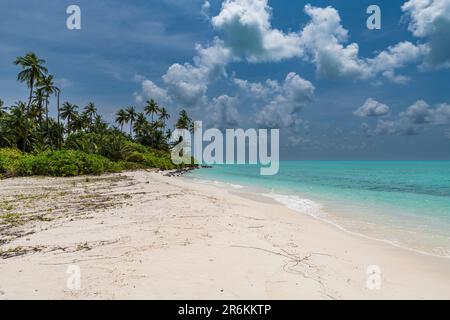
(405, 203)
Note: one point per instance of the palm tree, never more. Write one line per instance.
(2, 108)
(61, 129)
(121, 118)
(99, 124)
(91, 111)
(141, 124)
(164, 116)
(131, 117)
(38, 102)
(32, 71)
(69, 113)
(151, 108)
(17, 121)
(184, 122)
(47, 85)
(83, 121)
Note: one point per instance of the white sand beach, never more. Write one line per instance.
(141, 235)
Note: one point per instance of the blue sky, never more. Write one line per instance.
(334, 88)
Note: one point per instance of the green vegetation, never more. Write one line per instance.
(78, 142)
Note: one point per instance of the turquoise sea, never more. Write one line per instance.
(406, 203)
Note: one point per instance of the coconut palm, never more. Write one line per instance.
(91, 112)
(16, 120)
(151, 108)
(184, 122)
(32, 71)
(121, 118)
(99, 124)
(131, 117)
(47, 85)
(164, 116)
(61, 128)
(141, 124)
(38, 103)
(69, 113)
(2, 108)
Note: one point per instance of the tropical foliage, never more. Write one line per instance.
(79, 141)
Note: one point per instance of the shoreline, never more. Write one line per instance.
(173, 239)
(342, 228)
(321, 215)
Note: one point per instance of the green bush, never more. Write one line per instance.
(136, 156)
(67, 163)
(58, 163)
(63, 163)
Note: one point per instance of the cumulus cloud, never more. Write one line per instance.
(188, 83)
(397, 56)
(151, 91)
(430, 19)
(223, 112)
(418, 113)
(290, 98)
(324, 39)
(413, 120)
(246, 29)
(441, 115)
(385, 127)
(245, 32)
(372, 108)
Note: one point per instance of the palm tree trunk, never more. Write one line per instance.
(131, 129)
(46, 121)
(25, 136)
(59, 128)
(68, 124)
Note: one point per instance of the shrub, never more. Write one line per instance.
(54, 163)
(136, 156)
(66, 163)
(58, 163)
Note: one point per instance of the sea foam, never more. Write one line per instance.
(304, 206)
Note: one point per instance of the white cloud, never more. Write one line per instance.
(206, 6)
(246, 29)
(430, 19)
(151, 91)
(188, 83)
(441, 115)
(324, 38)
(372, 108)
(290, 98)
(385, 127)
(414, 119)
(395, 57)
(418, 113)
(222, 112)
(245, 33)
(256, 90)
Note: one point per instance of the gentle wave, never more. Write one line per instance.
(298, 204)
(315, 210)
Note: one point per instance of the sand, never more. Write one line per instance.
(141, 235)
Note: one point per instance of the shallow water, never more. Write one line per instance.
(406, 203)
